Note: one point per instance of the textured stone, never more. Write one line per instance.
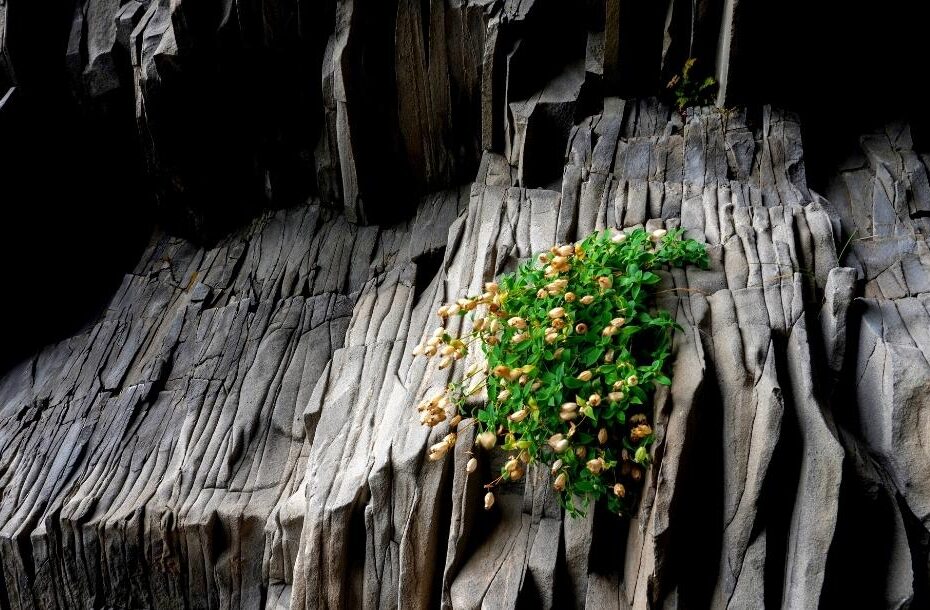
(236, 428)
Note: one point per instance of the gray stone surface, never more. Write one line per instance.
(237, 427)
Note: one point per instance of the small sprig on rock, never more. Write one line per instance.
(573, 347)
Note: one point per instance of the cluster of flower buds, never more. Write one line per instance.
(439, 450)
(640, 432)
(557, 260)
(559, 443)
(595, 465)
(615, 325)
(514, 469)
(449, 349)
(515, 319)
(433, 410)
(640, 428)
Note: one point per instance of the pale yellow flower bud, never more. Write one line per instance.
(587, 299)
(609, 331)
(618, 322)
(605, 282)
(516, 322)
(602, 435)
(569, 407)
(556, 312)
(581, 328)
(618, 238)
(488, 500)
(561, 446)
(503, 396)
(640, 432)
(566, 250)
(567, 415)
(430, 351)
(619, 490)
(632, 380)
(501, 370)
(518, 416)
(445, 362)
(471, 466)
(491, 287)
(487, 439)
(595, 465)
(418, 350)
(559, 483)
(569, 297)
(658, 234)
(594, 399)
(585, 376)
(615, 396)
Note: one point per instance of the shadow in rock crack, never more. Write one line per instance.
(780, 490)
(860, 569)
(696, 515)
(428, 266)
(356, 541)
(919, 543)
(869, 564)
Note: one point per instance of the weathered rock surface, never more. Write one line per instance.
(237, 428)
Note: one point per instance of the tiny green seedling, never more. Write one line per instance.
(688, 91)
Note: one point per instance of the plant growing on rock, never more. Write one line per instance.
(573, 347)
(688, 91)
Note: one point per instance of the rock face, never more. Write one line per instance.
(237, 428)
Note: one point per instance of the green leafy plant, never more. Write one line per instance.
(689, 91)
(573, 346)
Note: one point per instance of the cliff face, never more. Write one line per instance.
(237, 428)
